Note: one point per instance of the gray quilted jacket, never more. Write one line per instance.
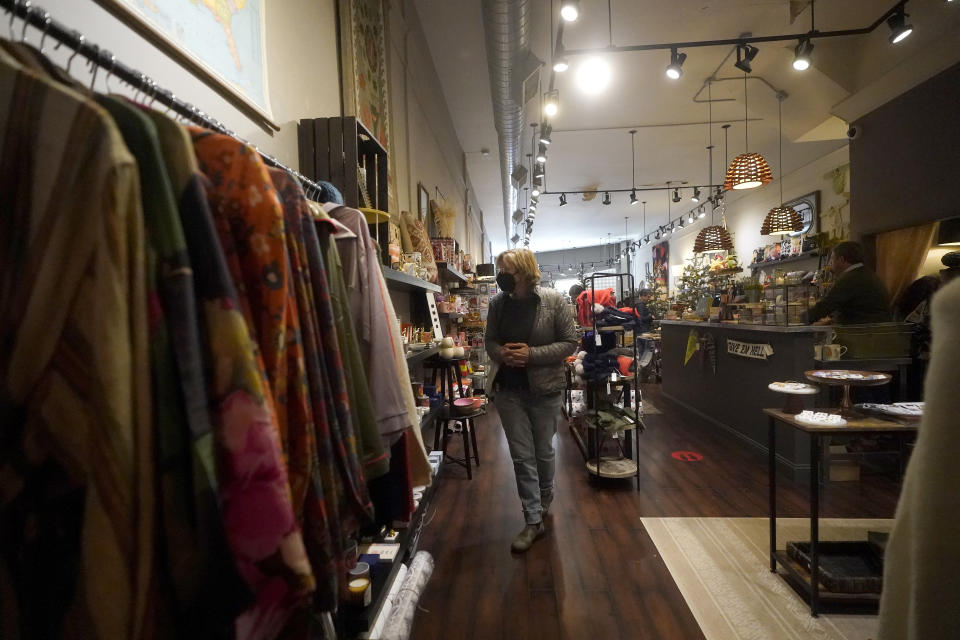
(553, 339)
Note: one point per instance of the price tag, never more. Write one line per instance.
(608, 388)
(616, 435)
(597, 338)
(613, 377)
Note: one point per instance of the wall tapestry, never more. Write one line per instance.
(661, 265)
(364, 28)
(222, 43)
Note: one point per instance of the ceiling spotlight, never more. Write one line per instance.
(541, 153)
(535, 192)
(545, 133)
(570, 10)
(676, 195)
(801, 55)
(551, 103)
(899, 27)
(538, 170)
(675, 68)
(680, 223)
(633, 196)
(563, 199)
(702, 213)
(656, 236)
(745, 55)
(606, 197)
(696, 195)
(593, 76)
(646, 240)
(690, 218)
(560, 64)
(533, 206)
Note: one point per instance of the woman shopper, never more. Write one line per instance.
(530, 332)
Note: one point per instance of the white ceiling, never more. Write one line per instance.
(591, 139)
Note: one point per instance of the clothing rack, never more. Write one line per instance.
(101, 58)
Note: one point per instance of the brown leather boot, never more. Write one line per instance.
(526, 537)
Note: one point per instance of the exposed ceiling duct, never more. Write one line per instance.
(506, 25)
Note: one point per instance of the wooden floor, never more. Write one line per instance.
(596, 574)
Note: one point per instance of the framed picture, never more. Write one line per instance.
(661, 264)
(483, 289)
(423, 202)
(808, 207)
(227, 52)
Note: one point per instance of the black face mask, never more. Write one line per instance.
(506, 281)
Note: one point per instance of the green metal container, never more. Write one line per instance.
(873, 341)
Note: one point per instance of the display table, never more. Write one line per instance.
(733, 397)
(806, 583)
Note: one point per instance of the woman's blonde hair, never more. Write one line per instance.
(523, 263)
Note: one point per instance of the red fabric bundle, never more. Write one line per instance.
(585, 302)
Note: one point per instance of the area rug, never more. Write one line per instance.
(721, 566)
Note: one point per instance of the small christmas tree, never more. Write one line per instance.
(658, 305)
(693, 284)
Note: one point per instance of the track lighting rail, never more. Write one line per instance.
(897, 8)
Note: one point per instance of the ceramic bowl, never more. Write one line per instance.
(463, 406)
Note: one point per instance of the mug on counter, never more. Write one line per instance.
(833, 351)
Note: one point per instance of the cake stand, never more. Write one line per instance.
(846, 379)
(794, 392)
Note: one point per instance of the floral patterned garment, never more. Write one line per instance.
(319, 516)
(263, 527)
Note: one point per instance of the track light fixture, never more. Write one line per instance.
(535, 192)
(646, 240)
(560, 64)
(696, 195)
(570, 10)
(538, 170)
(606, 197)
(551, 103)
(899, 27)
(801, 55)
(633, 197)
(541, 153)
(545, 132)
(745, 55)
(563, 199)
(676, 195)
(690, 218)
(656, 236)
(675, 68)
(702, 213)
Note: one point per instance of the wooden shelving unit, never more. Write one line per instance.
(806, 255)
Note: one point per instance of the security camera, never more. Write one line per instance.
(854, 131)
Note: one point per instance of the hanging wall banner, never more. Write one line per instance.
(749, 349)
(693, 344)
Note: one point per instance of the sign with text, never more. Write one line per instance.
(758, 351)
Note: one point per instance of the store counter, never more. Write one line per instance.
(733, 393)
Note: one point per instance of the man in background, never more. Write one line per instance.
(858, 296)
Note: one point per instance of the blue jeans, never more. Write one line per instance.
(530, 423)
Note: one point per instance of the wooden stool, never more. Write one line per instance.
(449, 373)
(442, 424)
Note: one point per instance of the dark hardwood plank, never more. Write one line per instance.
(597, 574)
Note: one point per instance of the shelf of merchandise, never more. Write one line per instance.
(401, 281)
(448, 273)
(451, 315)
(358, 620)
(806, 255)
(416, 357)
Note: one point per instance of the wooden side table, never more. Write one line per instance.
(808, 585)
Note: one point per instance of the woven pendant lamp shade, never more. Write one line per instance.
(747, 171)
(713, 238)
(781, 220)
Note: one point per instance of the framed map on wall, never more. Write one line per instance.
(222, 42)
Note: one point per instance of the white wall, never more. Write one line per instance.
(745, 213)
(424, 146)
(301, 44)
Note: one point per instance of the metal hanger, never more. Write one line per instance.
(80, 38)
(113, 63)
(46, 27)
(94, 62)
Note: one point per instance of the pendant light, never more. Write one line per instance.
(748, 170)
(714, 237)
(781, 219)
(633, 171)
